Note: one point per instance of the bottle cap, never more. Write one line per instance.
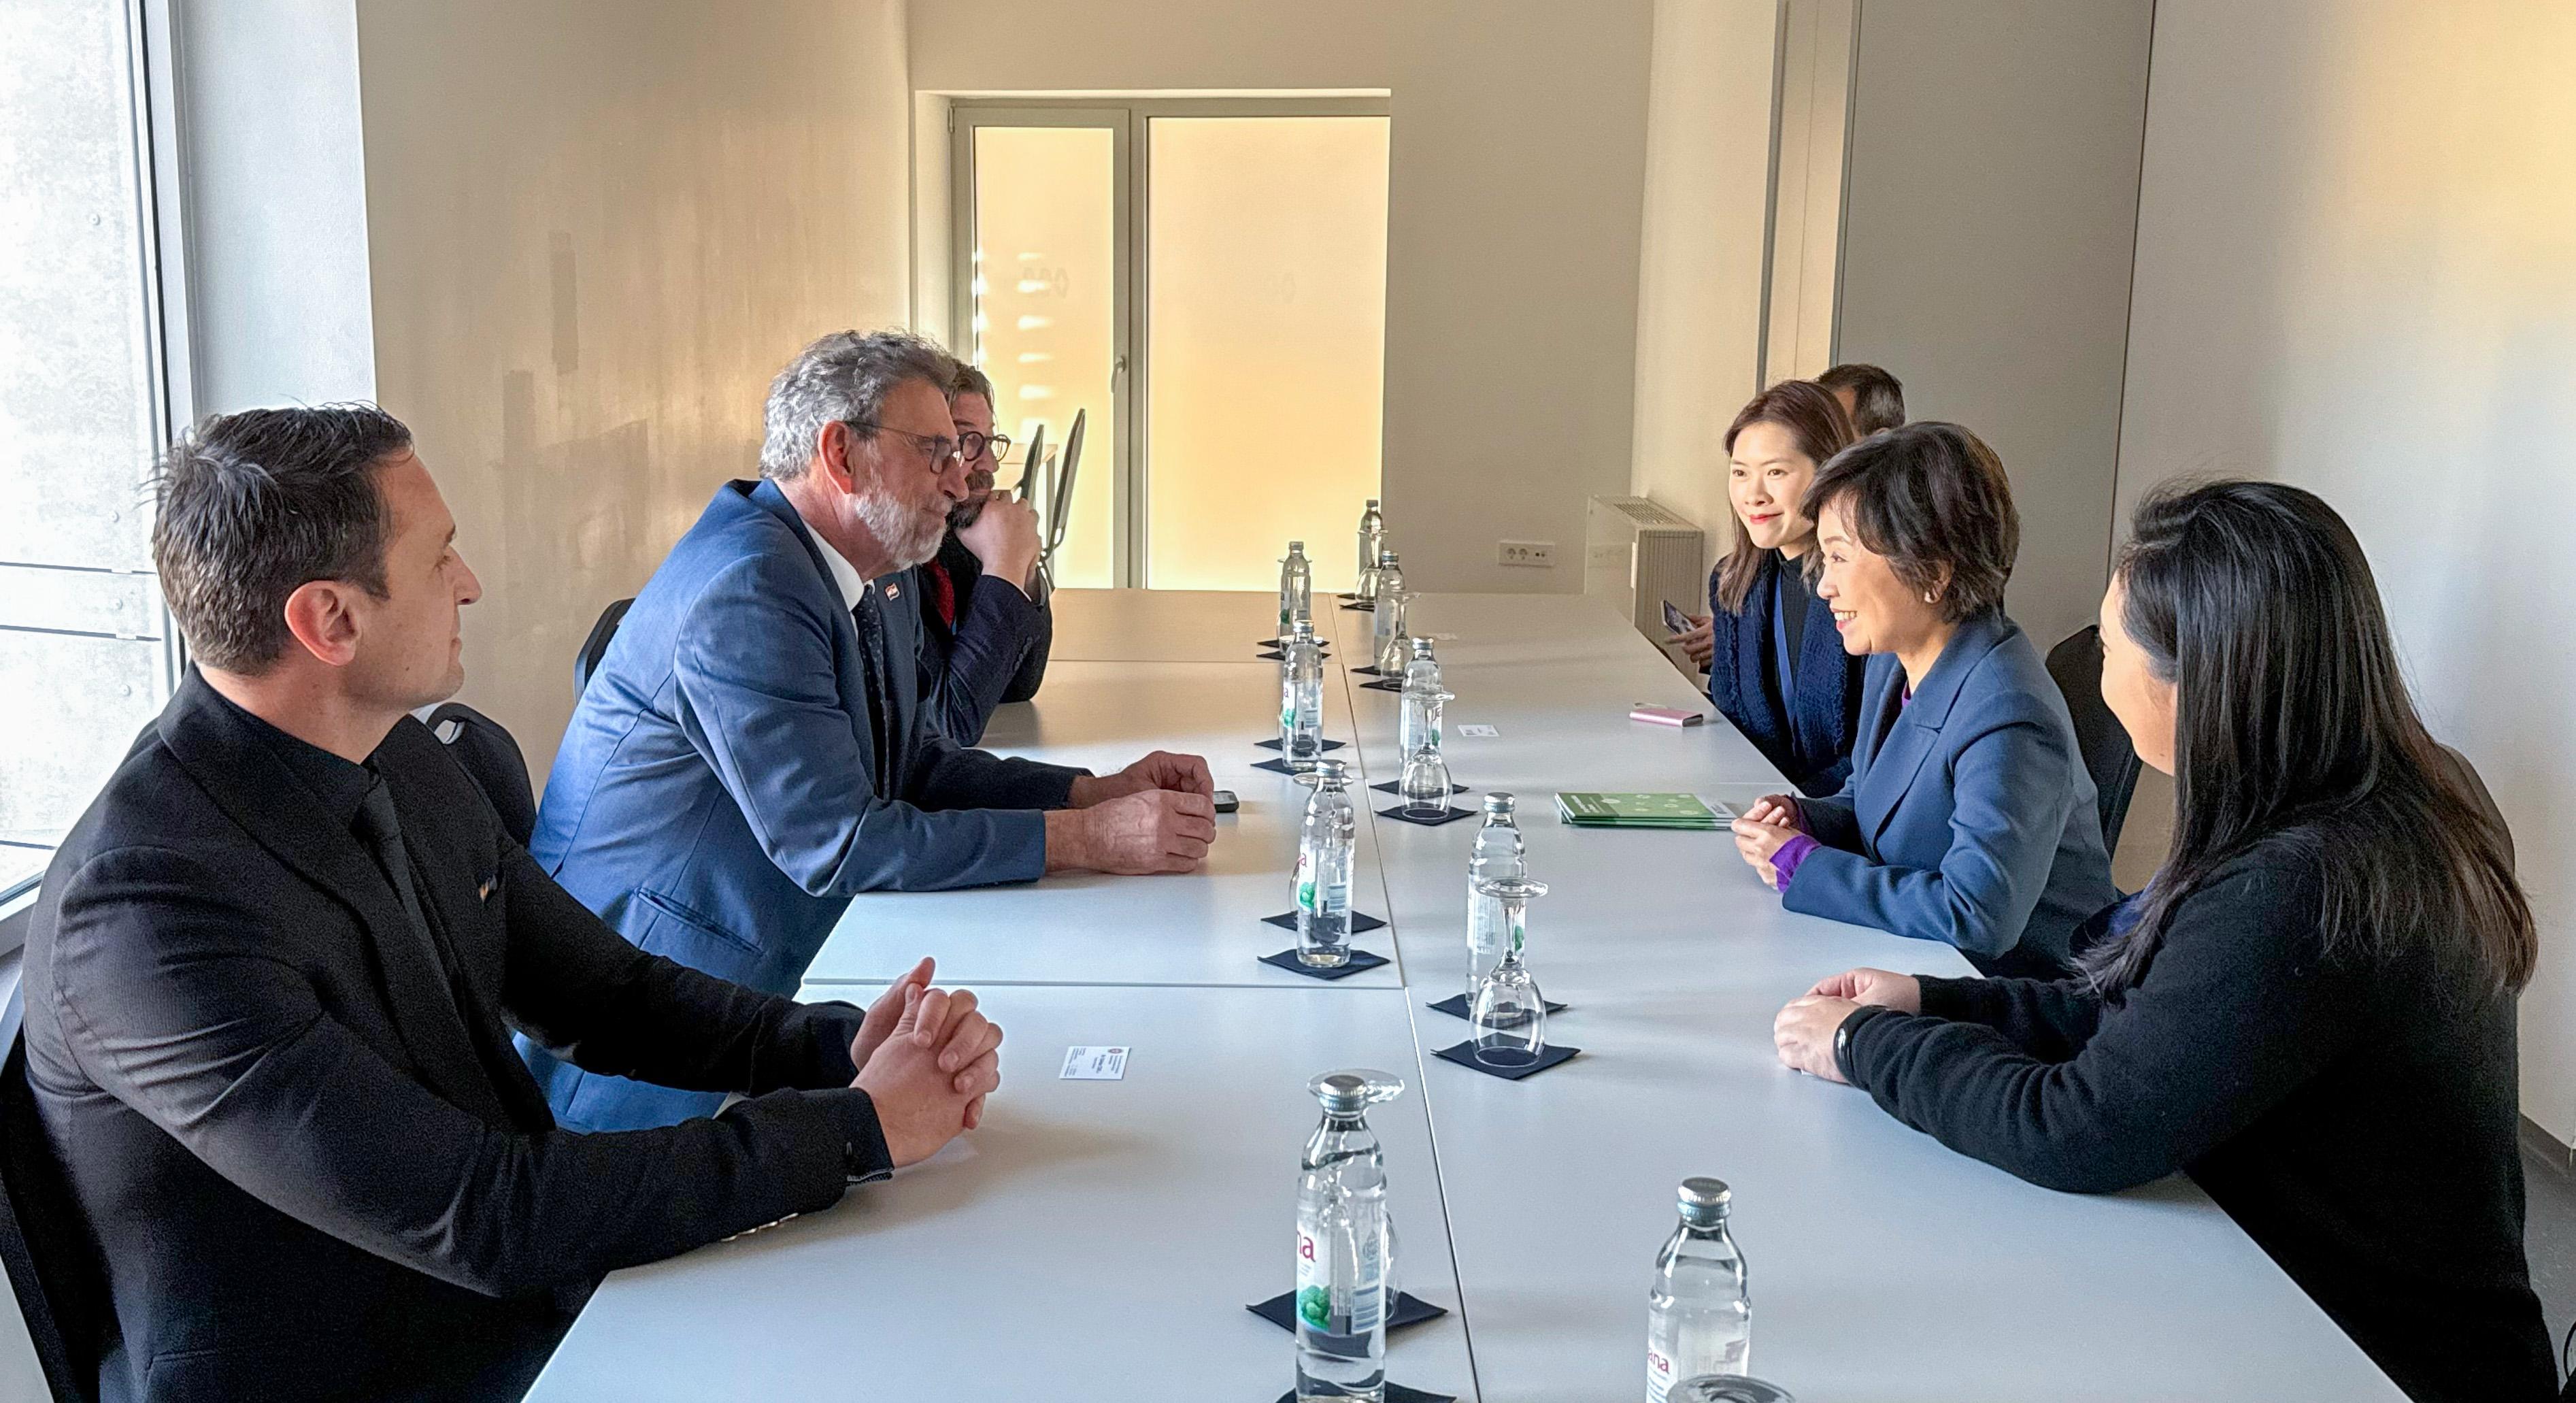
(1499, 802)
(1348, 1092)
(1372, 501)
(1705, 1202)
(1296, 546)
(1422, 647)
(1385, 558)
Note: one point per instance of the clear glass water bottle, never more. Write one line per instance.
(1699, 1319)
(1296, 588)
(1372, 542)
(1301, 699)
(1509, 1015)
(1727, 1388)
(1386, 626)
(1422, 698)
(1343, 1298)
(1324, 868)
(1499, 852)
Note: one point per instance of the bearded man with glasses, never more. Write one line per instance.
(752, 751)
(985, 630)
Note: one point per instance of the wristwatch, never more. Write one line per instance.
(1842, 1036)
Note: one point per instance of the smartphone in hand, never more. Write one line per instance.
(1675, 619)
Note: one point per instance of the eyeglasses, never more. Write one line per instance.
(973, 445)
(939, 447)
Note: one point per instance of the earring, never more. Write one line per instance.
(1931, 597)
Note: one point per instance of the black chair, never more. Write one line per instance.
(53, 1263)
(595, 647)
(488, 753)
(2076, 665)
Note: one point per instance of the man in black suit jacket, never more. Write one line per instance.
(982, 643)
(273, 973)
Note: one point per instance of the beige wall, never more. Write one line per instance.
(1989, 216)
(1517, 182)
(1699, 277)
(596, 230)
(2357, 272)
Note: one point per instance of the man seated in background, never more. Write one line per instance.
(1873, 398)
(984, 633)
(272, 975)
(752, 751)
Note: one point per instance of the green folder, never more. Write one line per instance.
(1589, 809)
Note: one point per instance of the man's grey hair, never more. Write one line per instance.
(846, 376)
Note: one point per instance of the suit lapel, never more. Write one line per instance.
(239, 772)
(846, 664)
(1916, 732)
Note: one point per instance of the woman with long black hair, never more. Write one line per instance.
(2310, 1009)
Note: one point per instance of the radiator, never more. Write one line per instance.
(1640, 555)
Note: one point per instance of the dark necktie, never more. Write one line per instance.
(881, 698)
(377, 827)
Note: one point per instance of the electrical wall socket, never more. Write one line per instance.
(1539, 555)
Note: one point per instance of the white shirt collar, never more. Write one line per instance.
(845, 576)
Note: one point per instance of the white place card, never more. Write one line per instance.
(1480, 732)
(1094, 1064)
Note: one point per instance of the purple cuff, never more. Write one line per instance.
(1784, 861)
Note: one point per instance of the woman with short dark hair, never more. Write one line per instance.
(1969, 817)
(2310, 1009)
(1776, 668)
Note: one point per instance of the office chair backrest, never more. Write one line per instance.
(595, 647)
(1032, 471)
(1060, 493)
(52, 1260)
(488, 753)
(2076, 665)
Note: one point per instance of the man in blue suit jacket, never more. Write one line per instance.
(751, 751)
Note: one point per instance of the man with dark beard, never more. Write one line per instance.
(751, 752)
(985, 630)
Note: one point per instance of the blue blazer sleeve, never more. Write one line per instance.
(998, 654)
(2012, 778)
(758, 697)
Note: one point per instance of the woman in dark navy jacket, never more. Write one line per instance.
(1969, 817)
(2310, 1010)
(1775, 665)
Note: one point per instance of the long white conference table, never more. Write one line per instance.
(1100, 1239)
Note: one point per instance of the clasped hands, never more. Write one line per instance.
(1156, 815)
(1804, 1031)
(927, 1057)
(1771, 822)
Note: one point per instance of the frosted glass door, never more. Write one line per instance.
(1266, 326)
(1044, 288)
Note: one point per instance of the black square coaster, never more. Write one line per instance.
(1464, 1054)
(1395, 1393)
(1392, 786)
(1361, 922)
(1456, 1006)
(1359, 960)
(1410, 1309)
(1273, 744)
(1276, 767)
(1361, 605)
(1383, 684)
(1371, 670)
(1449, 815)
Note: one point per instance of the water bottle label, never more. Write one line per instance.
(1306, 896)
(1314, 1284)
(1659, 1373)
(1368, 1295)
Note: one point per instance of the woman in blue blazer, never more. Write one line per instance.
(1969, 817)
(1776, 668)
